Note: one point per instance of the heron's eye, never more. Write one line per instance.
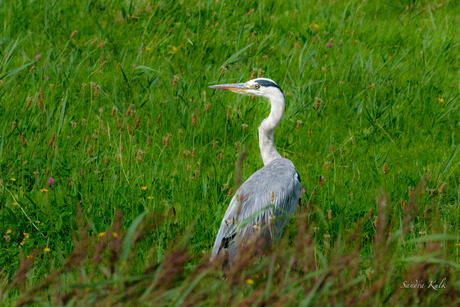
(257, 86)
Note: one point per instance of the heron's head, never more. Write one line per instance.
(256, 87)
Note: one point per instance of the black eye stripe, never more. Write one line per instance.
(267, 83)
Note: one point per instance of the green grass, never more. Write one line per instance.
(124, 104)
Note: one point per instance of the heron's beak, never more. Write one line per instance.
(236, 87)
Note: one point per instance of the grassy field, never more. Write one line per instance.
(104, 108)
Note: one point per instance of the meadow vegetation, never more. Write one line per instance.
(117, 162)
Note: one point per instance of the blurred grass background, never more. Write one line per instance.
(110, 99)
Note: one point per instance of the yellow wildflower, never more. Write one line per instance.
(44, 190)
(13, 179)
(174, 48)
(356, 41)
(114, 234)
(148, 48)
(15, 204)
(29, 256)
(457, 244)
(316, 26)
(8, 231)
(441, 100)
(101, 234)
(249, 281)
(143, 188)
(150, 197)
(26, 235)
(346, 31)
(47, 249)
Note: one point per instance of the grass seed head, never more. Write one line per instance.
(73, 34)
(193, 120)
(38, 102)
(119, 125)
(52, 139)
(441, 189)
(129, 110)
(139, 156)
(137, 123)
(260, 73)
(101, 45)
(166, 140)
(22, 138)
(299, 122)
(320, 180)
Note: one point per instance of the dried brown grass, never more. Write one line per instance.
(295, 270)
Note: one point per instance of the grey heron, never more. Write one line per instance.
(264, 203)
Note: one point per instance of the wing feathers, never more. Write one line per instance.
(266, 200)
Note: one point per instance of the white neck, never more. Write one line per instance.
(267, 129)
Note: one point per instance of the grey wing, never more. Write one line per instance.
(252, 206)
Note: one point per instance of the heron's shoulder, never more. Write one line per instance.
(283, 162)
(280, 170)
